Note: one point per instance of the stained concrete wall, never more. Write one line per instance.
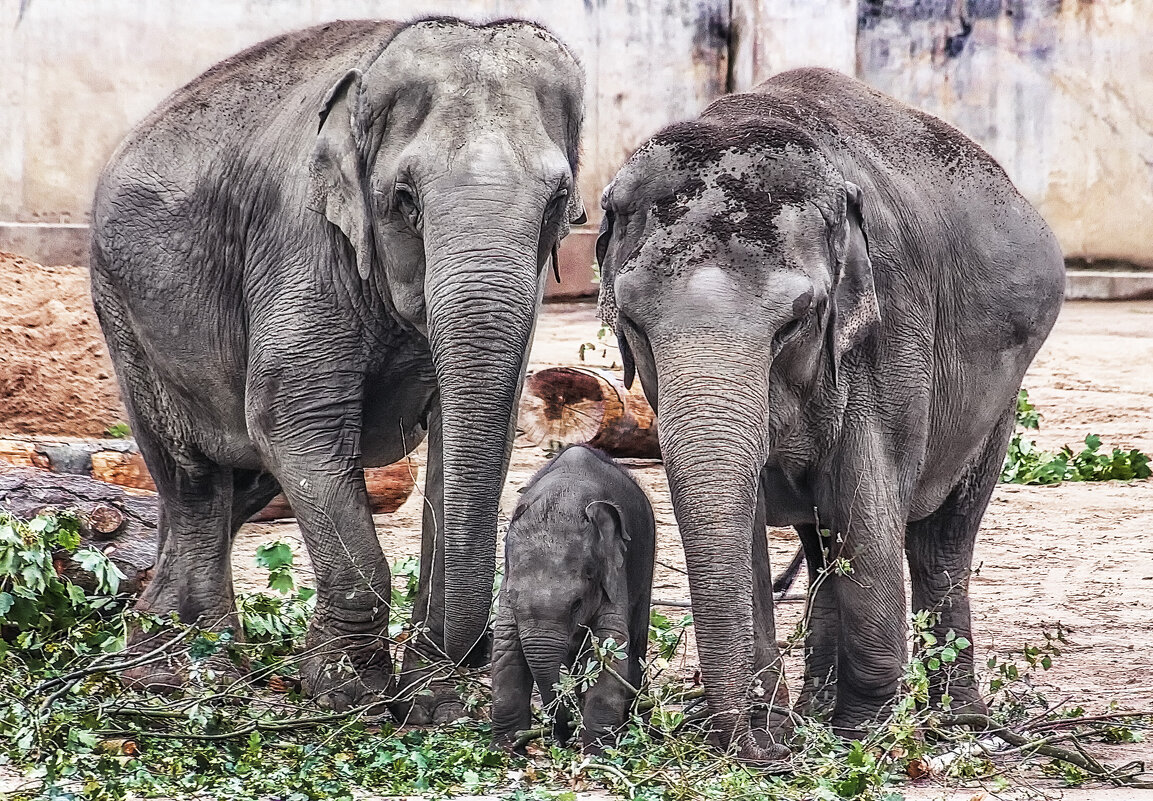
(1059, 91)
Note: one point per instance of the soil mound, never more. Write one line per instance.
(55, 375)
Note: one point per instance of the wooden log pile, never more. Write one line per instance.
(117, 461)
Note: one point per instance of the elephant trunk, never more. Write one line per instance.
(482, 289)
(545, 652)
(712, 436)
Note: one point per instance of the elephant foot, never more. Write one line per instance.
(964, 698)
(167, 667)
(348, 676)
(428, 692)
(759, 750)
(816, 700)
(855, 722)
(752, 746)
(968, 703)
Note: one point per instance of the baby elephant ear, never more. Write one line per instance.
(855, 311)
(337, 177)
(610, 548)
(609, 522)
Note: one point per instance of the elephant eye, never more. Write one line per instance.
(789, 330)
(405, 203)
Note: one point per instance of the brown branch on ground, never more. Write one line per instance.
(1079, 757)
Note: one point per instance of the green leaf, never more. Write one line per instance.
(118, 430)
(6, 602)
(281, 581)
(274, 555)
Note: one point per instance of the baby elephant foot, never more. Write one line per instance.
(347, 676)
(964, 698)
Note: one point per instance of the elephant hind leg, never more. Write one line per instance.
(940, 553)
(193, 572)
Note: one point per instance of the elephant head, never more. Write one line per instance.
(736, 273)
(446, 165)
(564, 575)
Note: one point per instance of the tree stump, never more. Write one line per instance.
(581, 405)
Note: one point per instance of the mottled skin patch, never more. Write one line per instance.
(831, 299)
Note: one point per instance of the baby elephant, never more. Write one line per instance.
(578, 560)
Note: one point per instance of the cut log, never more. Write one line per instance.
(117, 461)
(574, 405)
(121, 525)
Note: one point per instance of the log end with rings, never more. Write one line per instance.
(584, 405)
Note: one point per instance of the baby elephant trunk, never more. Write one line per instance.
(545, 652)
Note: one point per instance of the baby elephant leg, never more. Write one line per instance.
(511, 686)
(606, 704)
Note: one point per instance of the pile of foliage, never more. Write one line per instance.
(70, 730)
(1025, 463)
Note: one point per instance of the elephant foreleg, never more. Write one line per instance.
(768, 680)
(822, 624)
(310, 442)
(867, 576)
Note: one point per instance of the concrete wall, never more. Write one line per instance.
(1059, 91)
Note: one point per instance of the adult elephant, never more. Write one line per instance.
(288, 298)
(831, 299)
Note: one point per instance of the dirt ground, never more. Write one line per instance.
(1077, 554)
(55, 375)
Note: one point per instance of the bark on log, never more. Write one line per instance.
(121, 522)
(131, 544)
(116, 461)
(571, 405)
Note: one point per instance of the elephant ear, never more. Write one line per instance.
(855, 313)
(609, 548)
(337, 179)
(607, 302)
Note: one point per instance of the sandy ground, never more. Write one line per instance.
(1078, 554)
(55, 375)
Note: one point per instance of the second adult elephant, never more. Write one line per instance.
(831, 299)
(313, 255)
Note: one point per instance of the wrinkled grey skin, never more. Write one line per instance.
(578, 559)
(314, 255)
(831, 299)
